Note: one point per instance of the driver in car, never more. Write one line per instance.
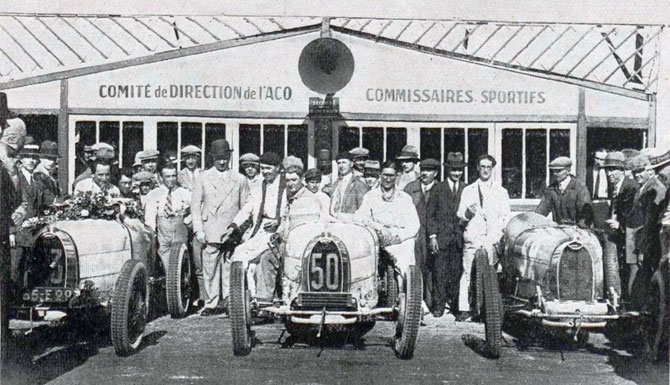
(391, 212)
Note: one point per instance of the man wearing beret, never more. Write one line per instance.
(484, 211)
(250, 166)
(191, 157)
(567, 198)
(348, 190)
(263, 209)
(420, 190)
(359, 155)
(218, 195)
(446, 236)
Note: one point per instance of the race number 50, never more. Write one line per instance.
(325, 269)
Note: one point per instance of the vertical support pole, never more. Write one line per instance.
(581, 136)
(651, 122)
(63, 138)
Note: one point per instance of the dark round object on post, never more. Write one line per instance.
(326, 65)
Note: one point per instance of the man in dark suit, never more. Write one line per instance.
(623, 194)
(348, 190)
(446, 236)
(567, 198)
(420, 190)
(45, 173)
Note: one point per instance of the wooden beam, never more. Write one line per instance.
(651, 129)
(581, 136)
(63, 138)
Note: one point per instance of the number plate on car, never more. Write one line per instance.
(48, 294)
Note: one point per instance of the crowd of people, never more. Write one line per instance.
(436, 226)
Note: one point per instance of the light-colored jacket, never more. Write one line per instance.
(155, 204)
(217, 198)
(487, 225)
(186, 179)
(397, 215)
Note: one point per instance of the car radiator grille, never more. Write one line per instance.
(331, 301)
(575, 275)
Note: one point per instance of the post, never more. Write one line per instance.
(651, 122)
(63, 139)
(581, 136)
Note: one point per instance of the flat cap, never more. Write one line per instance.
(138, 159)
(143, 177)
(615, 159)
(270, 158)
(249, 158)
(639, 163)
(343, 155)
(149, 154)
(560, 162)
(372, 165)
(430, 163)
(88, 148)
(359, 151)
(313, 174)
(601, 155)
(103, 150)
(102, 145)
(191, 150)
(292, 161)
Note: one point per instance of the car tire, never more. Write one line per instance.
(240, 310)
(481, 266)
(492, 312)
(129, 308)
(657, 320)
(392, 287)
(409, 317)
(179, 284)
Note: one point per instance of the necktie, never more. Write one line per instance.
(168, 205)
(454, 188)
(596, 189)
(481, 197)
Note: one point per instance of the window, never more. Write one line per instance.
(526, 153)
(133, 142)
(384, 143)
(126, 137)
(437, 142)
(297, 142)
(282, 139)
(168, 137)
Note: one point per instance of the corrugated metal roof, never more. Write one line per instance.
(623, 56)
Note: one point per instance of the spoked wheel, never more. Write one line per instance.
(481, 266)
(391, 286)
(409, 315)
(130, 309)
(656, 323)
(179, 284)
(492, 311)
(240, 310)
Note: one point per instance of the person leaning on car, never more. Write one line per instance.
(218, 195)
(567, 198)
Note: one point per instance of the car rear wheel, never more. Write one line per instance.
(130, 309)
(240, 310)
(409, 316)
(179, 284)
(656, 322)
(391, 286)
(492, 312)
(481, 266)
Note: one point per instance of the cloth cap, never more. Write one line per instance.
(639, 163)
(249, 158)
(372, 165)
(149, 154)
(455, 160)
(359, 152)
(313, 174)
(30, 149)
(270, 158)
(191, 150)
(49, 149)
(615, 159)
(409, 152)
(658, 157)
(88, 148)
(560, 162)
(292, 161)
(343, 155)
(138, 159)
(14, 135)
(630, 153)
(220, 148)
(430, 164)
(103, 150)
(601, 155)
(143, 177)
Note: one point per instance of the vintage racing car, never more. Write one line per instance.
(331, 281)
(552, 276)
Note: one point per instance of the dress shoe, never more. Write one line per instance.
(437, 313)
(207, 312)
(463, 316)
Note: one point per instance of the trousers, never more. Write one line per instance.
(216, 273)
(256, 251)
(469, 251)
(447, 271)
(170, 231)
(402, 255)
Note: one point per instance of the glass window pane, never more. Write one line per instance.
(536, 163)
(273, 138)
(191, 133)
(297, 142)
(133, 141)
(559, 144)
(167, 137)
(511, 161)
(396, 139)
(430, 143)
(86, 132)
(373, 140)
(454, 140)
(250, 138)
(109, 133)
(478, 144)
(213, 131)
(348, 139)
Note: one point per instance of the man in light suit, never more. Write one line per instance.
(348, 190)
(218, 195)
(484, 211)
(191, 157)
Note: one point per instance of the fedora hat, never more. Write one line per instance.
(658, 157)
(30, 150)
(409, 152)
(455, 160)
(49, 149)
(220, 149)
(615, 159)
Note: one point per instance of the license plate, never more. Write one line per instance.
(48, 294)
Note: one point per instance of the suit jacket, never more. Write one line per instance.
(185, 179)
(217, 198)
(486, 227)
(249, 213)
(644, 217)
(420, 201)
(572, 206)
(442, 219)
(623, 203)
(48, 185)
(590, 183)
(353, 194)
(32, 199)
